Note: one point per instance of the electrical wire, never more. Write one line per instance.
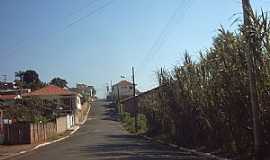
(66, 27)
(163, 36)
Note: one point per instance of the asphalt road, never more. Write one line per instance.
(103, 138)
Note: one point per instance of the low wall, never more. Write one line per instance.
(18, 133)
(40, 132)
(29, 133)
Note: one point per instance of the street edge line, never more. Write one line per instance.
(208, 155)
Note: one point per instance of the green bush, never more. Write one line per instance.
(129, 122)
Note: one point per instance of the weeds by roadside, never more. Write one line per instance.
(128, 122)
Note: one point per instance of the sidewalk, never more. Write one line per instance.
(13, 150)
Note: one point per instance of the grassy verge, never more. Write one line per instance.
(58, 136)
(129, 122)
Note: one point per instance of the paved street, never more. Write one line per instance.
(102, 138)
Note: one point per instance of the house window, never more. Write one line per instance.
(130, 87)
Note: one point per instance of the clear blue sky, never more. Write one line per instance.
(99, 48)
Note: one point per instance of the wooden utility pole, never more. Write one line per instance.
(251, 51)
(118, 94)
(134, 102)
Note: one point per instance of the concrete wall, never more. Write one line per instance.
(78, 103)
(124, 90)
(70, 121)
(61, 124)
(142, 103)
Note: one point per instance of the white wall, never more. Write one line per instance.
(124, 90)
(70, 121)
(78, 103)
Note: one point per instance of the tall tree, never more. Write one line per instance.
(28, 79)
(30, 76)
(59, 82)
(19, 75)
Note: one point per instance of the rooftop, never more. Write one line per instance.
(124, 82)
(8, 97)
(50, 90)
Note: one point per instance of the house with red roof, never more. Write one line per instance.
(66, 100)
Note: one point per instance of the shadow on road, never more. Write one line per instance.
(112, 143)
(110, 113)
(130, 147)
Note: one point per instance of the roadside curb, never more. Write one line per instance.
(41, 145)
(207, 155)
(57, 140)
(51, 142)
(193, 151)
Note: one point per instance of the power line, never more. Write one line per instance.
(163, 36)
(20, 43)
(82, 8)
(66, 27)
(89, 14)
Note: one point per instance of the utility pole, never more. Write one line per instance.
(111, 86)
(134, 101)
(118, 97)
(107, 89)
(250, 52)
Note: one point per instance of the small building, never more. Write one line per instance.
(122, 89)
(68, 101)
(85, 89)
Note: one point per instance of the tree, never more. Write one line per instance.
(59, 82)
(28, 79)
(19, 75)
(32, 110)
(30, 76)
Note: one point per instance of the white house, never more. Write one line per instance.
(67, 102)
(63, 97)
(123, 88)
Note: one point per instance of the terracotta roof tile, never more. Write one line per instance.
(50, 90)
(124, 82)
